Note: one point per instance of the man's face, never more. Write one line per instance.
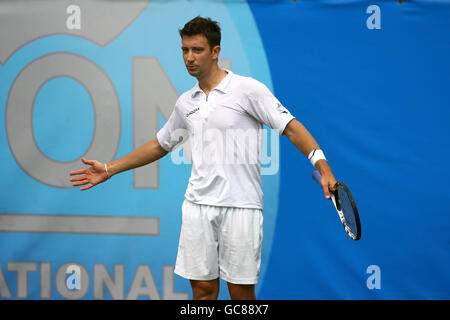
(198, 56)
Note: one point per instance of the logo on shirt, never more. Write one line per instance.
(281, 109)
(192, 112)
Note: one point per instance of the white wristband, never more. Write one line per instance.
(106, 169)
(316, 155)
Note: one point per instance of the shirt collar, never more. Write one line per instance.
(222, 86)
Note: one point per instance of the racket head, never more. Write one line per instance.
(345, 206)
(348, 212)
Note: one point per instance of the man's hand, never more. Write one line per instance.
(91, 176)
(328, 180)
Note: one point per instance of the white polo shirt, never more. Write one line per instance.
(225, 131)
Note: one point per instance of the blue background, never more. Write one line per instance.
(377, 101)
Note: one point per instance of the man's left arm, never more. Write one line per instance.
(306, 143)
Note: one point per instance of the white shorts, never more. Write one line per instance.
(220, 242)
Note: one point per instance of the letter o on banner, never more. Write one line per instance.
(19, 115)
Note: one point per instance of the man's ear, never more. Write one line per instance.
(216, 51)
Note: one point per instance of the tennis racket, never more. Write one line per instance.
(345, 206)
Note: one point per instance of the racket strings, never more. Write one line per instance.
(347, 210)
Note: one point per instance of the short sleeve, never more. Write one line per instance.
(173, 132)
(266, 108)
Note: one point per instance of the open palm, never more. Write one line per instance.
(89, 177)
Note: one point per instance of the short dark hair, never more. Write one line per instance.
(204, 26)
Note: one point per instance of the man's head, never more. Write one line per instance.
(203, 26)
(200, 39)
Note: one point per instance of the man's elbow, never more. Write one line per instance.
(158, 149)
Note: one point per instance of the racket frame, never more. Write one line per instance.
(335, 197)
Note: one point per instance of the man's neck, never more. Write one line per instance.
(212, 79)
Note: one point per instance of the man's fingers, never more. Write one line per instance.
(80, 183)
(327, 186)
(83, 174)
(79, 178)
(330, 189)
(87, 187)
(326, 191)
(86, 161)
(77, 172)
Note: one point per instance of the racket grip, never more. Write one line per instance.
(317, 177)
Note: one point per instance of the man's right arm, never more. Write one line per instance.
(99, 172)
(145, 154)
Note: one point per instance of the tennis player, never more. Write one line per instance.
(223, 115)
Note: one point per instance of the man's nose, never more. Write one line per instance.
(189, 56)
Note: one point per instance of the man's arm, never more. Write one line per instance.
(145, 154)
(305, 142)
(96, 173)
